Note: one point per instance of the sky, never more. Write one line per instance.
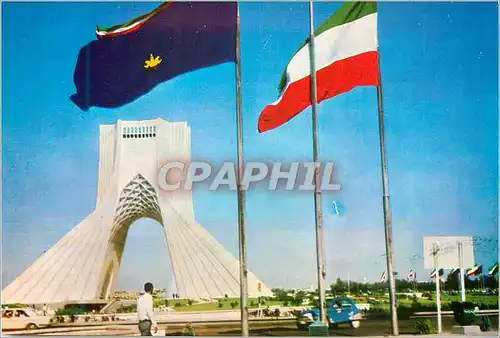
(440, 92)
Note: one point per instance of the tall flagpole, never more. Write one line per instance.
(348, 283)
(387, 209)
(461, 272)
(316, 182)
(240, 191)
(435, 252)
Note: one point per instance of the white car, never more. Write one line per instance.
(22, 319)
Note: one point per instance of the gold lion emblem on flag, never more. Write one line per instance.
(152, 63)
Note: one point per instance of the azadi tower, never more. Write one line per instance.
(83, 266)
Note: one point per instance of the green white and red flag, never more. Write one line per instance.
(493, 270)
(346, 56)
(383, 277)
(433, 273)
(476, 270)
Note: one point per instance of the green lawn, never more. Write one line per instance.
(477, 299)
(410, 301)
(226, 305)
(480, 300)
(171, 302)
(182, 304)
(201, 307)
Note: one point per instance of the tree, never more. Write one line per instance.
(299, 298)
(339, 287)
(280, 294)
(403, 285)
(491, 283)
(188, 330)
(452, 282)
(469, 283)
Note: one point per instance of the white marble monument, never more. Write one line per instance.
(83, 266)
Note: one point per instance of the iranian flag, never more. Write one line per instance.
(493, 270)
(476, 270)
(433, 273)
(411, 275)
(383, 277)
(345, 57)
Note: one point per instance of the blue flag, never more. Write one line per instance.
(129, 60)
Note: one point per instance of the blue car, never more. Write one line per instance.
(339, 310)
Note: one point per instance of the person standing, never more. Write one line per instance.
(44, 310)
(145, 311)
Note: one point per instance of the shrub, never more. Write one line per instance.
(285, 303)
(423, 326)
(190, 302)
(445, 307)
(178, 304)
(70, 311)
(188, 331)
(220, 305)
(427, 295)
(488, 306)
(405, 312)
(59, 319)
(378, 312)
(463, 312)
(128, 308)
(234, 304)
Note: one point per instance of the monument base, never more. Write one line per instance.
(469, 330)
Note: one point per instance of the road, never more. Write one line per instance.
(189, 317)
(369, 327)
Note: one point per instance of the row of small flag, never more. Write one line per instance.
(476, 270)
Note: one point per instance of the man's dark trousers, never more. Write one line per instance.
(145, 327)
